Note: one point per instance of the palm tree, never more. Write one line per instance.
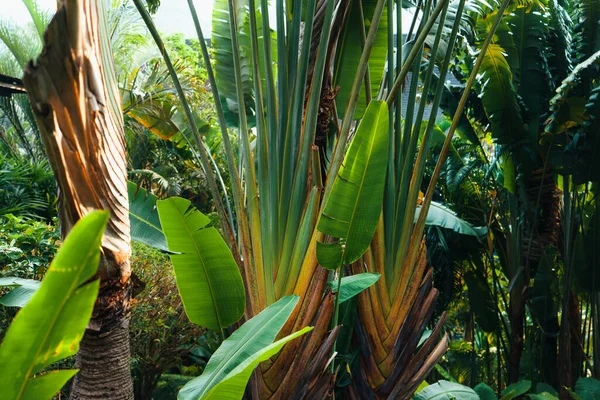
(74, 89)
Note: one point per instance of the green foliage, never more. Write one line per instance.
(161, 335)
(352, 285)
(516, 389)
(48, 331)
(444, 390)
(587, 388)
(352, 211)
(27, 188)
(349, 51)
(227, 373)
(21, 293)
(143, 217)
(208, 277)
(26, 247)
(485, 392)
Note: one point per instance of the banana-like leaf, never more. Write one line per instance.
(354, 284)
(349, 51)
(224, 66)
(143, 218)
(208, 277)
(234, 383)
(587, 388)
(229, 368)
(440, 215)
(444, 390)
(354, 205)
(23, 290)
(50, 326)
(499, 97)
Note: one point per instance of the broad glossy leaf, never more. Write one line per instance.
(499, 97)
(516, 389)
(22, 292)
(440, 215)
(50, 326)
(143, 218)
(485, 392)
(239, 349)
(208, 277)
(349, 51)
(233, 385)
(354, 205)
(587, 388)
(354, 284)
(444, 390)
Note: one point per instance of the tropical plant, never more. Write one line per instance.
(160, 334)
(43, 331)
(95, 178)
(536, 100)
(285, 173)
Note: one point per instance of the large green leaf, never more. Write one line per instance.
(349, 51)
(234, 383)
(438, 215)
(23, 290)
(230, 366)
(208, 277)
(485, 392)
(50, 326)
(499, 97)
(354, 284)
(587, 388)
(354, 205)
(515, 390)
(444, 390)
(224, 64)
(143, 218)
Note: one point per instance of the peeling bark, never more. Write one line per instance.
(74, 94)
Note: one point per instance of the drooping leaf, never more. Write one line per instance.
(143, 218)
(516, 389)
(207, 275)
(253, 340)
(49, 327)
(354, 205)
(440, 215)
(444, 390)
(499, 97)
(23, 290)
(354, 284)
(485, 392)
(587, 388)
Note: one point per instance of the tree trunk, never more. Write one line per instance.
(101, 352)
(74, 94)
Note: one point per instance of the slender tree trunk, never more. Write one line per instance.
(74, 93)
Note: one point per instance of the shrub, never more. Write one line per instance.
(161, 334)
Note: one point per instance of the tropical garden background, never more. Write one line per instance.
(350, 199)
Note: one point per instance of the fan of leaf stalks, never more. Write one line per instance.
(284, 174)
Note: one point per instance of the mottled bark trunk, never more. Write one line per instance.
(74, 94)
(103, 360)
